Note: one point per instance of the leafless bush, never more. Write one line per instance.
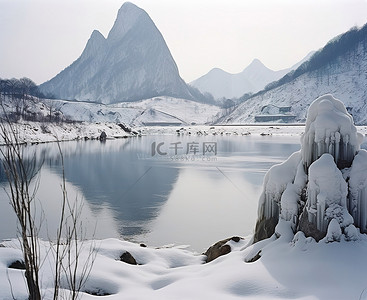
(69, 246)
(69, 243)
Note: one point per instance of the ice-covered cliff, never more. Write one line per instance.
(321, 190)
(132, 63)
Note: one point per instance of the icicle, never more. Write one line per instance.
(345, 154)
(321, 203)
(358, 190)
(337, 145)
(363, 210)
(360, 213)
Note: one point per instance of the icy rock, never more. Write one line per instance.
(275, 183)
(289, 203)
(284, 231)
(329, 129)
(334, 232)
(326, 187)
(357, 204)
(300, 241)
(351, 233)
(309, 190)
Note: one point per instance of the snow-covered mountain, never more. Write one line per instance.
(132, 63)
(340, 68)
(251, 80)
(158, 110)
(162, 110)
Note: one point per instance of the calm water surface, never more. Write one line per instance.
(196, 197)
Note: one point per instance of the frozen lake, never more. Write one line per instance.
(157, 190)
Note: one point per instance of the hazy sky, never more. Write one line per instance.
(39, 38)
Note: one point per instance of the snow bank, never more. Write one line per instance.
(172, 273)
(36, 132)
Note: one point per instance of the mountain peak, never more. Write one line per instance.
(256, 61)
(217, 71)
(133, 63)
(127, 16)
(96, 35)
(255, 65)
(130, 9)
(95, 42)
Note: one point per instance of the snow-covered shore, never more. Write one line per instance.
(287, 269)
(37, 132)
(249, 129)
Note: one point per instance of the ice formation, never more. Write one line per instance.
(322, 189)
(329, 129)
(357, 200)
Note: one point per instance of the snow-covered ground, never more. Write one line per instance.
(287, 269)
(36, 132)
(187, 111)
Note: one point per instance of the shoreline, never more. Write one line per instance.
(38, 132)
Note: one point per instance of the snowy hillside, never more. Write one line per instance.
(132, 63)
(187, 111)
(155, 110)
(344, 76)
(251, 80)
(162, 110)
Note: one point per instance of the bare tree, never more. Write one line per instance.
(69, 243)
(20, 173)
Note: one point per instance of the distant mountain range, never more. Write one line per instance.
(340, 68)
(132, 63)
(252, 79)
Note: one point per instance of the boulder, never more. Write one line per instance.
(126, 257)
(220, 248)
(103, 136)
(19, 265)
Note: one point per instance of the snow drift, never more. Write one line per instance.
(322, 189)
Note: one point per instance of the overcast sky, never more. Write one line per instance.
(39, 38)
